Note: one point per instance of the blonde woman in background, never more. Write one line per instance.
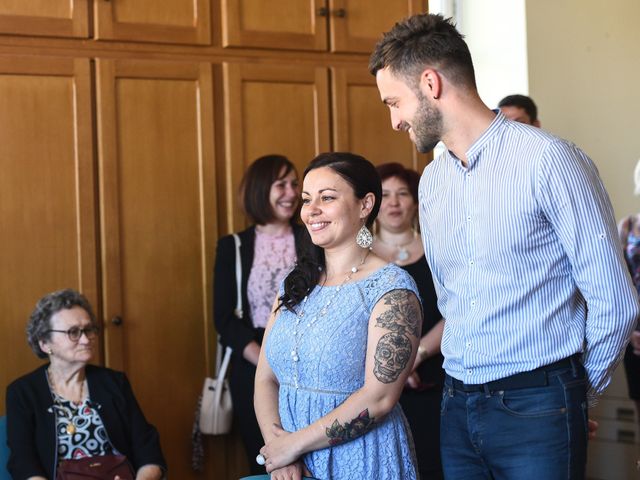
(629, 230)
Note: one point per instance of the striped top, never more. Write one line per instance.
(525, 257)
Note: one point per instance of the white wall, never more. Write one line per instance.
(495, 31)
(584, 73)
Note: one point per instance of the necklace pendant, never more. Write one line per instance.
(402, 255)
(70, 429)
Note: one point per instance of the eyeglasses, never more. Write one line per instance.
(74, 333)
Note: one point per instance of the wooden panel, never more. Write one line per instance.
(356, 25)
(286, 24)
(168, 21)
(47, 205)
(271, 109)
(158, 236)
(361, 122)
(57, 18)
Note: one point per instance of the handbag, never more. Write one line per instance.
(216, 408)
(104, 467)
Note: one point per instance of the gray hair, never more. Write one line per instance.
(40, 320)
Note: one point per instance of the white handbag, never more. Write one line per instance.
(216, 409)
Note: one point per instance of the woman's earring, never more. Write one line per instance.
(50, 352)
(364, 239)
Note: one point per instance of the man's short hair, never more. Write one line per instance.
(521, 101)
(421, 41)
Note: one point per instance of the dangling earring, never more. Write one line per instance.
(364, 239)
(50, 352)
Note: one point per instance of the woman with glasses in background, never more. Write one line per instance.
(68, 410)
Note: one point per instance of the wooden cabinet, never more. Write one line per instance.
(335, 25)
(271, 109)
(55, 18)
(158, 231)
(166, 21)
(291, 110)
(47, 207)
(361, 122)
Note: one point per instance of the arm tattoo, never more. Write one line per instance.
(402, 316)
(357, 427)
(393, 352)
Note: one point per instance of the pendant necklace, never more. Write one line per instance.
(300, 327)
(402, 253)
(70, 428)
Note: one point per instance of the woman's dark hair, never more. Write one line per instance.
(40, 320)
(256, 186)
(358, 172)
(407, 175)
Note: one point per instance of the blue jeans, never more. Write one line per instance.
(519, 434)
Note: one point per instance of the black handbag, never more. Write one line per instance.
(103, 467)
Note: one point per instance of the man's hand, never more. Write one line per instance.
(592, 426)
(635, 342)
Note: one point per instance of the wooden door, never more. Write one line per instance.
(356, 25)
(166, 21)
(286, 24)
(155, 123)
(361, 122)
(270, 109)
(56, 18)
(47, 185)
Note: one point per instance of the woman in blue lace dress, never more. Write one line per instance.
(341, 342)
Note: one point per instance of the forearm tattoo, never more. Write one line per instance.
(393, 352)
(357, 427)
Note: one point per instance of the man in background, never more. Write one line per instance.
(520, 108)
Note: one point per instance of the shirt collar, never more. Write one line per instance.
(486, 137)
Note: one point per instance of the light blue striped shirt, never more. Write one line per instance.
(525, 257)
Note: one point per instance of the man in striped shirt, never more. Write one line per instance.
(520, 236)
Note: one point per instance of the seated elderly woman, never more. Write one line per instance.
(68, 410)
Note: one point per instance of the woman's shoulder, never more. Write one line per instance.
(386, 279)
(30, 379)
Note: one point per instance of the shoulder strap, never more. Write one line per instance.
(238, 310)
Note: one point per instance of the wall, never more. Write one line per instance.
(584, 66)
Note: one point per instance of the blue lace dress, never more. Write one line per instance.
(331, 366)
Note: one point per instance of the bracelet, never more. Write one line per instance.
(422, 354)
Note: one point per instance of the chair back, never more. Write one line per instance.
(4, 449)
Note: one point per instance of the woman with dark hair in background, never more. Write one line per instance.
(341, 341)
(68, 410)
(398, 240)
(268, 251)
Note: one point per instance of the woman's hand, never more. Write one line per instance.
(295, 471)
(280, 450)
(148, 472)
(635, 342)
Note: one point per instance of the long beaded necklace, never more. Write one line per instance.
(299, 331)
(66, 412)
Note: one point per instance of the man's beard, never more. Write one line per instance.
(427, 125)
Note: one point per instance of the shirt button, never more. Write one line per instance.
(468, 218)
(469, 371)
(471, 262)
(468, 174)
(473, 303)
(468, 344)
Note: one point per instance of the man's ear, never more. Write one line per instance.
(431, 83)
